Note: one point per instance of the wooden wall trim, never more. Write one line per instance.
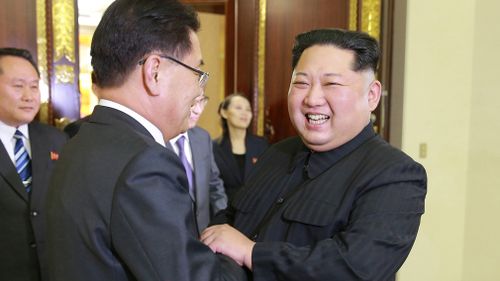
(259, 94)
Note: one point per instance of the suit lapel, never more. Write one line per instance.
(197, 154)
(40, 161)
(9, 173)
(229, 160)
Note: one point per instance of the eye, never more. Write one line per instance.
(300, 84)
(18, 86)
(332, 84)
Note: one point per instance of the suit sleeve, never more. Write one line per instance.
(152, 224)
(381, 230)
(218, 197)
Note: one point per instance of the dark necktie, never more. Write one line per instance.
(187, 166)
(23, 162)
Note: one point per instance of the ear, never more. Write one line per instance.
(223, 113)
(150, 74)
(374, 93)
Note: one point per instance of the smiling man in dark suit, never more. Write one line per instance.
(337, 202)
(28, 151)
(120, 208)
(208, 193)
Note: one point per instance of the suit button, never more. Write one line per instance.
(34, 213)
(280, 200)
(33, 245)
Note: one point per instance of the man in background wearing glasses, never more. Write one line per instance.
(207, 188)
(119, 206)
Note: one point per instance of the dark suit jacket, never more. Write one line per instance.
(120, 209)
(354, 220)
(229, 169)
(72, 128)
(209, 187)
(22, 229)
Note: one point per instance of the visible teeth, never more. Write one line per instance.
(317, 118)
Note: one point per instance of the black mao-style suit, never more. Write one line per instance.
(228, 167)
(120, 209)
(22, 229)
(346, 214)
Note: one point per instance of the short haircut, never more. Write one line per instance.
(20, 53)
(365, 47)
(131, 29)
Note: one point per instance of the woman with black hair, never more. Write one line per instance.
(237, 150)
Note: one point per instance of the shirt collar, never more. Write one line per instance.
(7, 131)
(152, 129)
(174, 140)
(318, 162)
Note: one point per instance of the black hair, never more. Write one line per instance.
(365, 47)
(131, 29)
(20, 53)
(224, 105)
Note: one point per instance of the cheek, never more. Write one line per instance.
(341, 103)
(294, 103)
(295, 113)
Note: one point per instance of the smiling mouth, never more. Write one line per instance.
(317, 119)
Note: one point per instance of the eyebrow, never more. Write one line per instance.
(16, 79)
(326, 74)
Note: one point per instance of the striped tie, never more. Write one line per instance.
(23, 162)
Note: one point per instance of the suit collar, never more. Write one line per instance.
(152, 129)
(110, 116)
(315, 163)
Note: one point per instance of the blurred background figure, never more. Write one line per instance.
(236, 150)
(28, 151)
(207, 188)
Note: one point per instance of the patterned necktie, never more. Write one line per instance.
(23, 162)
(187, 166)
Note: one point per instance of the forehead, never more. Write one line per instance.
(326, 57)
(237, 100)
(17, 67)
(194, 54)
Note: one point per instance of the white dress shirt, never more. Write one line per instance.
(8, 141)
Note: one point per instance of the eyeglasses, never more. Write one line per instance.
(202, 81)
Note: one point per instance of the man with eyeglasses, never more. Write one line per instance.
(119, 206)
(207, 188)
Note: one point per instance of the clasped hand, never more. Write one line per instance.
(227, 240)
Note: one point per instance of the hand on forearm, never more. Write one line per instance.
(226, 240)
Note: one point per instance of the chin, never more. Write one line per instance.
(313, 139)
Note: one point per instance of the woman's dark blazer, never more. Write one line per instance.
(229, 169)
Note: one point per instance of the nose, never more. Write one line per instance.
(29, 94)
(315, 96)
